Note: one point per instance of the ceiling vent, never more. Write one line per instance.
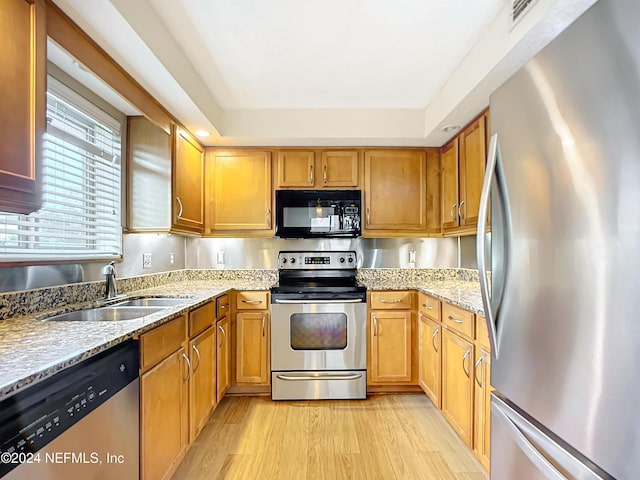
(519, 8)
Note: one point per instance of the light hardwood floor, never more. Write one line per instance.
(382, 438)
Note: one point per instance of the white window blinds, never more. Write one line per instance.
(81, 185)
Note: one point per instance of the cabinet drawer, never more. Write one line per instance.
(429, 306)
(462, 321)
(252, 301)
(200, 319)
(482, 334)
(391, 300)
(161, 342)
(222, 305)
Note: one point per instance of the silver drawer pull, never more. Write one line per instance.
(252, 302)
(427, 307)
(383, 300)
(319, 376)
(455, 319)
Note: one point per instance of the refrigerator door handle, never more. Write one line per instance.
(492, 160)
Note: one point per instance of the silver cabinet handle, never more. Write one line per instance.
(186, 359)
(324, 174)
(319, 376)
(263, 324)
(252, 302)
(384, 300)
(475, 370)
(455, 319)
(181, 209)
(197, 352)
(464, 359)
(460, 210)
(223, 333)
(427, 307)
(268, 218)
(453, 207)
(433, 339)
(311, 174)
(368, 216)
(375, 326)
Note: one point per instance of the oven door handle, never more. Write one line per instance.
(319, 376)
(355, 300)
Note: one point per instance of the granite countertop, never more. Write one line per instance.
(32, 349)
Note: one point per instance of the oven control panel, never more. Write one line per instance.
(302, 260)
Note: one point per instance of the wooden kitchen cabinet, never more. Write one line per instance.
(457, 384)
(317, 169)
(202, 360)
(239, 193)
(187, 181)
(164, 393)
(482, 408)
(395, 193)
(463, 164)
(223, 357)
(23, 49)
(252, 347)
(429, 354)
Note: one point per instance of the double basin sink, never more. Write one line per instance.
(123, 310)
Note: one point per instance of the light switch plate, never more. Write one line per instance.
(220, 258)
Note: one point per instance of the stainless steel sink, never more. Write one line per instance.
(104, 314)
(153, 302)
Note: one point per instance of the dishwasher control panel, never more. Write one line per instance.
(34, 417)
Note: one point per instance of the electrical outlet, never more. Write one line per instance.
(412, 256)
(220, 258)
(172, 258)
(146, 260)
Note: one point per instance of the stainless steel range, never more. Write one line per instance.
(318, 328)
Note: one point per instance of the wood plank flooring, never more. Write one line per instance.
(382, 438)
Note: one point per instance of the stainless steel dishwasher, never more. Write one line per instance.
(82, 422)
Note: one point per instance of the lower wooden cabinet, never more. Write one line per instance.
(252, 347)
(202, 382)
(223, 357)
(429, 353)
(482, 408)
(457, 384)
(390, 342)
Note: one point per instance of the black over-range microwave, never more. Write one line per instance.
(318, 213)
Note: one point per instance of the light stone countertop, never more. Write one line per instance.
(32, 349)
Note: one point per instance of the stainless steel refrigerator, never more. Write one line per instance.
(563, 177)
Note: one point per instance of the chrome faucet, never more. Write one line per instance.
(109, 271)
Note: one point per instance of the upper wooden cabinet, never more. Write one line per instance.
(463, 163)
(317, 169)
(395, 192)
(148, 175)
(239, 193)
(187, 183)
(23, 43)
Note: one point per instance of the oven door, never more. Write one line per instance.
(319, 336)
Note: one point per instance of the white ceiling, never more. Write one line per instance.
(336, 72)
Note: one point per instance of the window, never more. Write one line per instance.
(81, 187)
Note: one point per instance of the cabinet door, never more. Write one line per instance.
(148, 176)
(296, 169)
(434, 204)
(395, 190)
(457, 384)
(239, 191)
(202, 384)
(187, 174)
(338, 169)
(223, 357)
(449, 159)
(252, 347)
(473, 157)
(163, 398)
(429, 367)
(23, 44)
(482, 408)
(390, 334)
